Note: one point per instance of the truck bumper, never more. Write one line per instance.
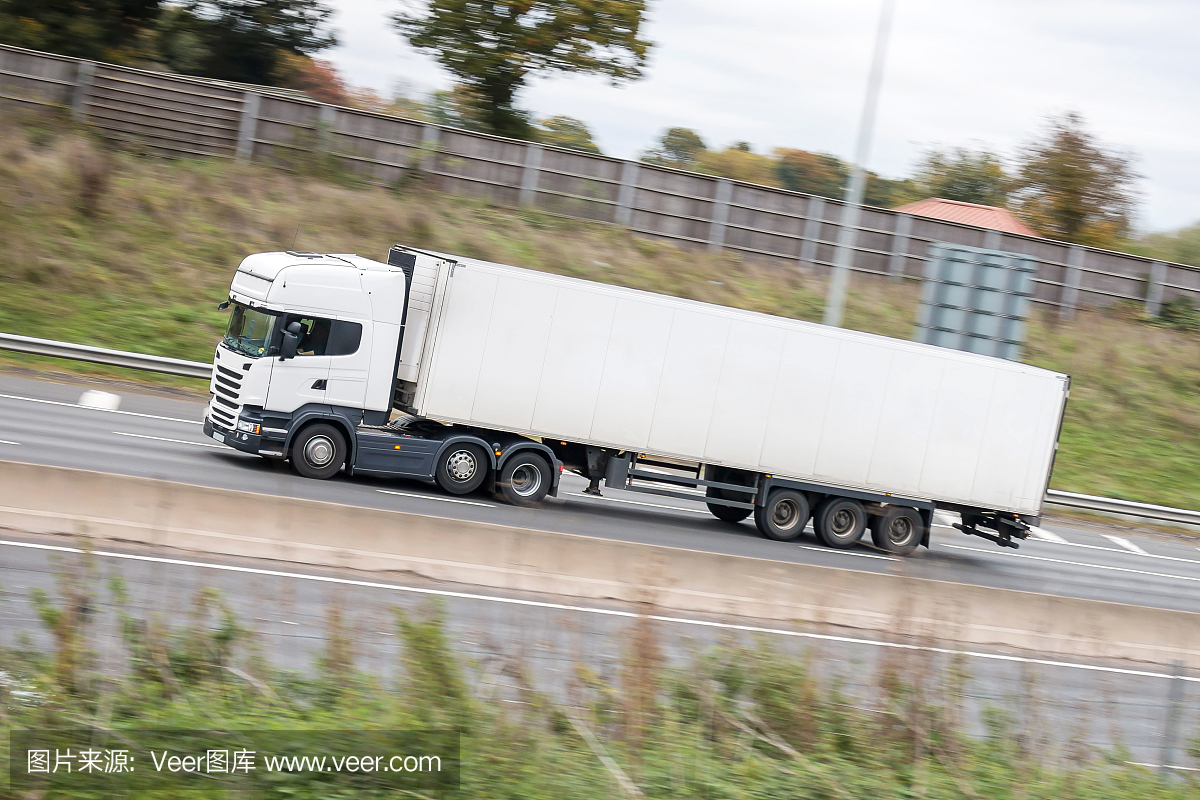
(240, 440)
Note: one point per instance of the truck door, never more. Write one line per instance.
(349, 354)
(303, 379)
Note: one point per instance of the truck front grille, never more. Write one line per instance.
(226, 402)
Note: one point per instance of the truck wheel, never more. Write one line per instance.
(726, 513)
(784, 515)
(461, 468)
(898, 530)
(319, 451)
(840, 522)
(524, 479)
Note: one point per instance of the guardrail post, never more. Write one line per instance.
(247, 126)
(720, 215)
(900, 245)
(812, 231)
(625, 196)
(529, 178)
(1174, 711)
(429, 144)
(1070, 291)
(1154, 288)
(84, 74)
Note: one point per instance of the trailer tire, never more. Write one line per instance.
(319, 451)
(726, 513)
(898, 530)
(783, 516)
(524, 480)
(840, 522)
(461, 468)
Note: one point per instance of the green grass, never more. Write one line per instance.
(130, 252)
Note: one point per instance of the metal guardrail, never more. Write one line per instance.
(196, 369)
(102, 355)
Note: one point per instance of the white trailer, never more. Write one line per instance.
(508, 375)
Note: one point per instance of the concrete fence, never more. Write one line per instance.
(188, 117)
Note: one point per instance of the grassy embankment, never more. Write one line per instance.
(743, 720)
(134, 253)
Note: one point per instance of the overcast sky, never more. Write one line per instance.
(791, 73)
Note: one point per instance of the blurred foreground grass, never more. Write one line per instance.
(134, 253)
(742, 720)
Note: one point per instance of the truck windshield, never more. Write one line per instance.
(249, 331)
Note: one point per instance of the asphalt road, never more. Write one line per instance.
(151, 436)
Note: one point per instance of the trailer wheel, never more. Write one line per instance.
(319, 451)
(783, 516)
(840, 522)
(524, 480)
(726, 513)
(461, 468)
(898, 530)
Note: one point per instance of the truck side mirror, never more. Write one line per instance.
(224, 305)
(291, 342)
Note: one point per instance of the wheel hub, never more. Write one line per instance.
(784, 514)
(526, 480)
(901, 530)
(842, 523)
(461, 465)
(319, 451)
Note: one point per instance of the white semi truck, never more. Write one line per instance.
(478, 376)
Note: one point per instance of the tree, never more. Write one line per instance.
(1181, 246)
(320, 80)
(494, 46)
(459, 107)
(812, 173)
(568, 132)
(738, 163)
(1070, 187)
(247, 40)
(102, 30)
(969, 176)
(678, 148)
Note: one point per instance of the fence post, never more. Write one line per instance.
(326, 119)
(812, 230)
(247, 126)
(1174, 710)
(900, 245)
(529, 178)
(720, 215)
(84, 74)
(991, 240)
(1154, 288)
(1070, 292)
(430, 137)
(625, 196)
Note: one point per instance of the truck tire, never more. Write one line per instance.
(319, 451)
(524, 480)
(840, 522)
(461, 468)
(783, 516)
(726, 513)
(898, 530)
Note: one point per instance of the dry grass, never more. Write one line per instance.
(131, 252)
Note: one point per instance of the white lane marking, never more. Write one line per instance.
(1047, 536)
(943, 518)
(610, 612)
(844, 552)
(1076, 563)
(1109, 550)
(104, 401)
(435, 497)
(635, 502)
(173, 441)
(105, 410)
(1121, 541)
(5, 441)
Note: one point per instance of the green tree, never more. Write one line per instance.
(1070, 187)
(494, 47)
(811, 173)
(458, 107)
(102, 30)
(568, 132)
(678, 148)
(1181, 246)
(248, 40)
(969, 176)
(738, 163)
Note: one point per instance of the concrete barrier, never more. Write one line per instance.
(56, 500)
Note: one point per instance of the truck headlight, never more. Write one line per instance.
(248, 427)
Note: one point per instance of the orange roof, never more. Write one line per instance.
(997, 219)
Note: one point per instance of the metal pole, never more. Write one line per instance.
(836, 299)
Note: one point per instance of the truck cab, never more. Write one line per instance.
(320, 353)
